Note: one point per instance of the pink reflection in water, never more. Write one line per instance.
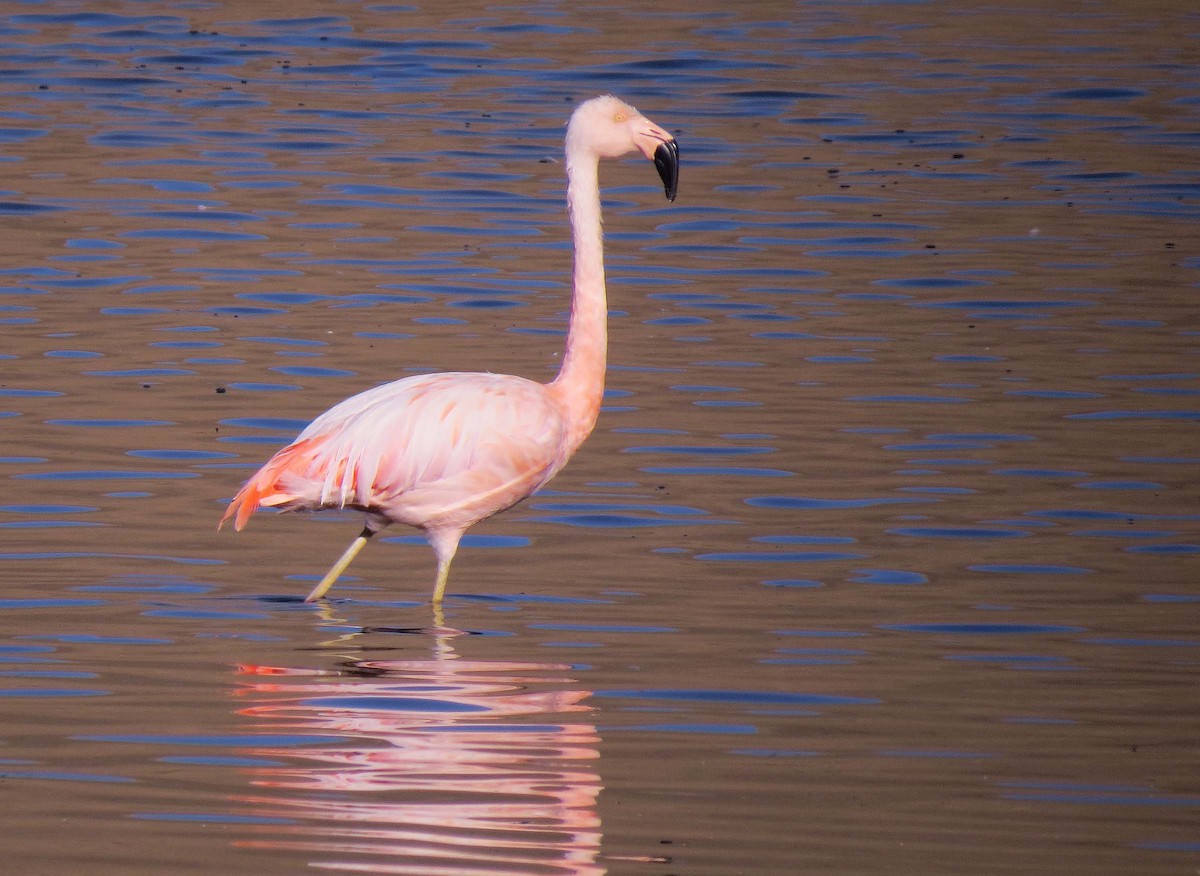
(449, 766)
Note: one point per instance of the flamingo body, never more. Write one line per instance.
(436, 451)
(441, 452)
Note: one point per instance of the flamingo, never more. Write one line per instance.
(440, 452)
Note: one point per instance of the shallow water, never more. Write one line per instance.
(882, 558)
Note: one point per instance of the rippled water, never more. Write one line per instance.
(883, 557)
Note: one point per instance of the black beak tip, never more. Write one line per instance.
(666, 161)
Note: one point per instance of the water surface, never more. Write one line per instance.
(883, 555)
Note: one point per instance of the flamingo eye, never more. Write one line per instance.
(619, 117)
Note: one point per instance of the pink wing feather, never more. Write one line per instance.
(431, 450)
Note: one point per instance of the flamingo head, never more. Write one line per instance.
(608, 127)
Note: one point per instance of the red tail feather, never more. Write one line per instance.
(265, 484)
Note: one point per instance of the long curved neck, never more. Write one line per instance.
(579, 385)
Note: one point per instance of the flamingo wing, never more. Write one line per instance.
(432, 451)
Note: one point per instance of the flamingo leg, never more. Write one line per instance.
(445, 546)
(439, 586)
(340, 566)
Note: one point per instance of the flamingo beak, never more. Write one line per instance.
(666, 161)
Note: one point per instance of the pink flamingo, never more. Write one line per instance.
(443, 451)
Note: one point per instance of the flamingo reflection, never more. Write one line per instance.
(443, 766)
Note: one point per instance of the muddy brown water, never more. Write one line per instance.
(882, 559)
